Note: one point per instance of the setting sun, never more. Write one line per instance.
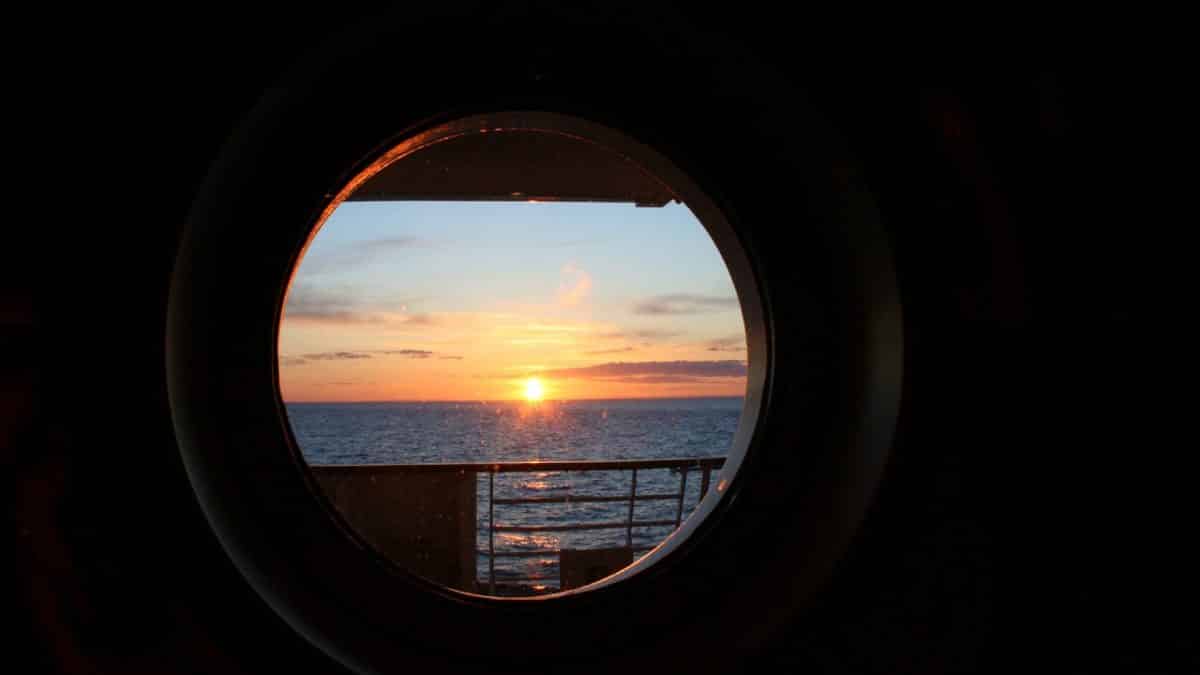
(533, 389)
(380, 309)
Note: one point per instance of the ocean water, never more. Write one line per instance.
(441, 432)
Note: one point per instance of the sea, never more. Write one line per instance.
(510, 431)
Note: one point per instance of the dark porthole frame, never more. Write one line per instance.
(833, 326)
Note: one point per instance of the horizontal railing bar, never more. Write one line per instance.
(500, 579)
(584, 499)
(543, 554)
(528, 466)
(582, 526)
(522, 554)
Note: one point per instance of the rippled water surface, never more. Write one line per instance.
(421, 433)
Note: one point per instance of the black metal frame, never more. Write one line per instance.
(829, 338)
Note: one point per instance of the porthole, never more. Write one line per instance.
(513, 358)
(775, 191)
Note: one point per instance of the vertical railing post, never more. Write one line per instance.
(683, 472)
(492, 531)
(632, 499)
(704, 478)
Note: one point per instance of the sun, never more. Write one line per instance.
(534, 390)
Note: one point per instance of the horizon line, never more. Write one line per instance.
(518, 400)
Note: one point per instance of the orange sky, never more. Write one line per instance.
(491, 356)
(465, 302)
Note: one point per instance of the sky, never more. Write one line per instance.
(466, 301)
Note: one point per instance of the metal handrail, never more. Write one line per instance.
(705, 465)
(529, 465)
(582, 526)
(684, 464)
(568, 499)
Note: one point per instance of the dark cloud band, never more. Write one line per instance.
(654, 371)
(684, 303)
(350, 356)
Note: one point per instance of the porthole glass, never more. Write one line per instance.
(514, 355)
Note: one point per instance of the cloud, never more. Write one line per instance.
(654, 372)
(684, 303)
(353, 317)
(730, 343)
(388, 242)
(575, 286)
(335, 356)
(344, 356)
(660, 379)
(307, 303)
(647, 334)
(341, 306)
(410, 353)
(337, 317)
(356, 254)
(617, 350)
(321, 356)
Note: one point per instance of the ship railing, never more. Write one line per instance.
(705, 466)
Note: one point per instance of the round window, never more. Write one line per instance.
(517, 376)
(514, 355)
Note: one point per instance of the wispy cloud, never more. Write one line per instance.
(575, 286)
(654, 372)
(335, 356)
(729, 343)
(389, 243)
(617, 350)
(410, 353)
(362, 354)
(307, 303)
(660, 379)
(684, 303)
(321, 356)
(357, 254)
(643, 334)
